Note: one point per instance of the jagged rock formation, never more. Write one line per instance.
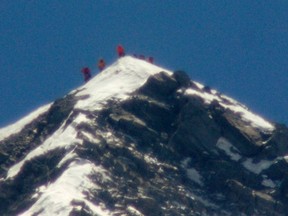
(169, 146)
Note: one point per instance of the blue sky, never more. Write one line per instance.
(238, 47)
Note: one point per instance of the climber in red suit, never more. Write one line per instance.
(101, 64)
(120, 51)
(86, 73)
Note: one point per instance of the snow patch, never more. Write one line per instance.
(19, 125)
(199, 85)
(57, 198)
(192, 173)
(268, 183)
(90, 137)
(208, 98)
(228, 148)
(185, 162)
(248, 163)
(134, 211)
(153, 161)
(257, 167)
(195, 176)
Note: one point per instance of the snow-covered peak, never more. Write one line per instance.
(91, 149)
(116, 82)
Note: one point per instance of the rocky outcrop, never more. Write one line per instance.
(33, 134)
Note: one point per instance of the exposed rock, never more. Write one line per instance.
(182, 78)
(277, 145)
(154, 86)
(34, 133)
(249, 200)
(247, 140)
(196, 133)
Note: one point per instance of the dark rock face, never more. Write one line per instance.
(15, 147)
(196, 133)
(15, 194)
(164, 158)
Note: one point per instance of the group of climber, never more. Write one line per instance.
(149, 59)
(101, 63)
(87, 73)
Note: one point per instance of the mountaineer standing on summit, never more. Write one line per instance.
(101, 64)
(86, 73)
(120, 51)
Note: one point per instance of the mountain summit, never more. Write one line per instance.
(141, 140)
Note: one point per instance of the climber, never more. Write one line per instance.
(151, 60)
(120, 51)
(101, 64)
(142, 57)
(86, 73)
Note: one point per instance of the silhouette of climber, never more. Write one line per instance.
(120, 51)
(101, 64)
(151, 60)
(86, 73)
(142, 57)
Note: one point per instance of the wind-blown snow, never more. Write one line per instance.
(57, 198)
(116, 82)
(19, 125)
(228, 103)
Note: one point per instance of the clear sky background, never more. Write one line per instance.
(238, 47)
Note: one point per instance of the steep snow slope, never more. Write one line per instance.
(56, 198)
